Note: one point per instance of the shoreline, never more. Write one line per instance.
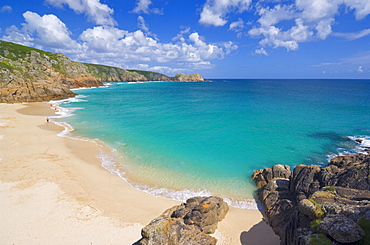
(77, 194)
(112, 161)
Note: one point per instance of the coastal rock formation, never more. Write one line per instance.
(188, 78)
(29, 75)
(189, 223)
(314, 205)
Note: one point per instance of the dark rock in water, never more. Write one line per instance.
(189, 223)
(319, 205)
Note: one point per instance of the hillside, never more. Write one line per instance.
(28, 74)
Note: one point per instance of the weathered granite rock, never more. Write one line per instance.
(263, 176)
(310, 208)
(307, 207)
(341, 229)
(189, 223)
(202, 212)
(304, 181)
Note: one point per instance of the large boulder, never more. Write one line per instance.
(202, 212)
(189, 223)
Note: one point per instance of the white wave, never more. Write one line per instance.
(363, 143)
(108, 162)
(82, 88)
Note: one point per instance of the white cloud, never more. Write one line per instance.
(272, 16)
(361, 7)
(141, 24)
(359, 69)
(6, 8)
(180, 36)
(313, 21)
(237, 25)
(18, 36)
(123, 47)
(353, 35)
(261, 51)
(46, 30)
(214, 11)
(95, 11)
(142, 6)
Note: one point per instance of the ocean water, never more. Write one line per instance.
(179, 139)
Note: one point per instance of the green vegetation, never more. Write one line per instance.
(365, 225)
(319, 212)
(329, 188)
(315, 224)
(319, 239)
(144, 73)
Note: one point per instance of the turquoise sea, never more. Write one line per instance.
(179, 139)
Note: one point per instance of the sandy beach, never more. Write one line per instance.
(53, 190)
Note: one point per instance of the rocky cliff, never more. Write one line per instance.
(313, 205)
(29, 75)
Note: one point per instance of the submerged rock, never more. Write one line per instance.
(189, 223)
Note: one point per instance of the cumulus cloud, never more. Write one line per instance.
(313, 20)
(46, 30)
(137, 46)
(6, 8)
(214, 11)
(109, 45)
(95, 11)
(142, 6)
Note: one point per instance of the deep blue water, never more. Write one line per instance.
(180, 138)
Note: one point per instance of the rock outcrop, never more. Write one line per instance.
(314, 205)
(189, 223)
(29, 75)
(195, 77)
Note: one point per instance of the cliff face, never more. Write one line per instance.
(29, 75)
(313, 205)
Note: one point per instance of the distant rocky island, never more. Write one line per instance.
(30, 75)
(318, 206)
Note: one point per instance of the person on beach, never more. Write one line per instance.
(47, 119)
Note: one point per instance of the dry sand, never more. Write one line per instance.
(53, 190)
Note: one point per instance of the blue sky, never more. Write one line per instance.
(216, 38)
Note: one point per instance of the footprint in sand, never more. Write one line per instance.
(87, 213)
